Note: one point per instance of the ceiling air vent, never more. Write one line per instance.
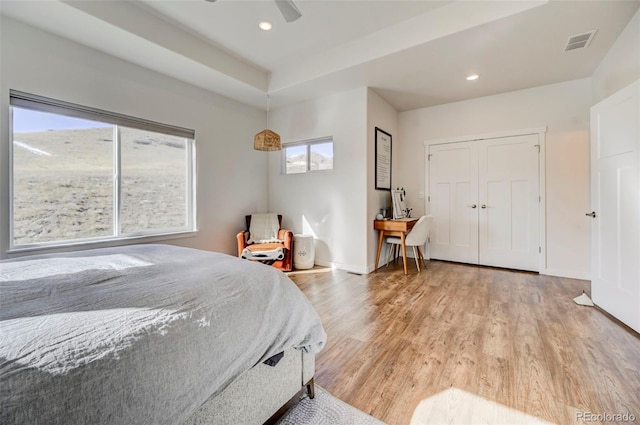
(579, 41)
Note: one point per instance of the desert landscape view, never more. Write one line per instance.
(63, 186)
(321, 158)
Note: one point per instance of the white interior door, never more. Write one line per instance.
(484, 198)
(453, 193)
(509, 200)
(615, 200)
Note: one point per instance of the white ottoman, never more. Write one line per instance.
(303, 251)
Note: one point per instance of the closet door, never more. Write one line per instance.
(453, 195)
(509, 202)
(485, 199)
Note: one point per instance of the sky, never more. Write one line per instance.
(25, 121)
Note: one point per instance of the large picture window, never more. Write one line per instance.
(82, 175)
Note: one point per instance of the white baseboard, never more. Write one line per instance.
(345, 267)
(566, 273)
(370, 268)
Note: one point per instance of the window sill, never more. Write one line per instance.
(101, 243)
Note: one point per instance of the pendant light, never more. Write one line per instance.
(267, 140)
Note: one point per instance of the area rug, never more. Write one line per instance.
(325, 409)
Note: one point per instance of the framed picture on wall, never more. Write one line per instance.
(383, 160)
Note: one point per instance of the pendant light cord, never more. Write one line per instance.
(267, 111)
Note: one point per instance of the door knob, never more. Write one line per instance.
(591, 214)
(483, 206)
(473, 206)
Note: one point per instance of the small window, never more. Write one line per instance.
(86, 175)
(302, 157)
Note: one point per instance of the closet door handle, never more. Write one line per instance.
(473, 206)
(483, 206)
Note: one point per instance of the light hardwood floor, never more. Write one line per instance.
(514, 338)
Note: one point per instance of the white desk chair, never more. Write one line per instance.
(416, 238)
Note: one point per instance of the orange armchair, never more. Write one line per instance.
(286, 236)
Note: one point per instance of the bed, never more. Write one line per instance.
(151, 334)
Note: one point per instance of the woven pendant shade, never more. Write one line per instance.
(267, 140)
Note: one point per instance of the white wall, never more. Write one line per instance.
(384, 116)
(621, 66)
(331, 204)
(231, 175)
(564, 109)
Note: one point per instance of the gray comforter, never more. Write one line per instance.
(143, 334)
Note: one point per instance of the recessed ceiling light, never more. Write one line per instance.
(265, 25)
(473, 77)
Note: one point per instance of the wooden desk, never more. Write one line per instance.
(393, 228)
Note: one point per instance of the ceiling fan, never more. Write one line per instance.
(288, 8)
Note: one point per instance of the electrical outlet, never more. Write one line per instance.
(421, 195)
